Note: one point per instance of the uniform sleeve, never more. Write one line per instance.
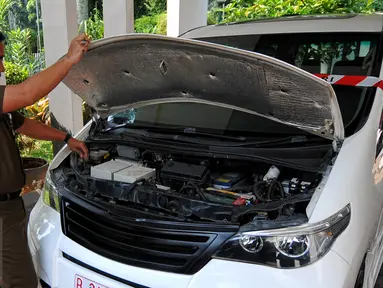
(2, 91)
(17, 120)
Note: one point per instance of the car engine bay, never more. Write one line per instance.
(181, 187)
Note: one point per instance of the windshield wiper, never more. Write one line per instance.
(288, 140)
(185, 134)
(178, 130)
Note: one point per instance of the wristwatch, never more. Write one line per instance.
(67, 137)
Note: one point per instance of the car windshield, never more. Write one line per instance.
(335, 53)
(350, 54)
(204, 118)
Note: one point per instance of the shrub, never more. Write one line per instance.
(145, 24)
(94, 26)
(212, 17)
(155, 24)
(14, 73)
(378, 5)
(162, 22)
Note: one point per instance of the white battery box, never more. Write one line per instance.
(133, 173)
(106, 170)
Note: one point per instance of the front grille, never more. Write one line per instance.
(169, 247)
(110, 276)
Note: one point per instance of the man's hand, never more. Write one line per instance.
(38, 130)
(77, 48)
(78, 147)
(41, 84)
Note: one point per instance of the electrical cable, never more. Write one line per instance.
(257, 192)
(274, 185)
(194, 187)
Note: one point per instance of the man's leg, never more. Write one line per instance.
(15, 259)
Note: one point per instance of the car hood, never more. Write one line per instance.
(136, 70)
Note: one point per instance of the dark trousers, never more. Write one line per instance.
(16, 266)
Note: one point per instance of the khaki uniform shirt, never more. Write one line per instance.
(12, 177)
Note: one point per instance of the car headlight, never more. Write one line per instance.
(291, 247)
(50, 193)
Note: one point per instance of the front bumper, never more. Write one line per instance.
(58, 259)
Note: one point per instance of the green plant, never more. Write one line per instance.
(38, 111)
(145, 24)
(15, 74)
(148, 7)
(162, 22)
(155, 24)
(36, 63)
(212, 17)
(5, 7)
(155, 7)
(40, 149)
(378, 5)
(92, 4)
(18, 50)
(18, 46)
(239, 10)
(94, 26)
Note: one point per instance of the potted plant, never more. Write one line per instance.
(35, 170)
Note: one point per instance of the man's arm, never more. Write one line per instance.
(37, 130)
(41, 84)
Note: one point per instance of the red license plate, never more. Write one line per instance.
(82, 282)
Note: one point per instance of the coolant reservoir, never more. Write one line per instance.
(272, 174)
(98, 156)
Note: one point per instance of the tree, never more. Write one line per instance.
(139, 9)
(35, 24)
(378, 5)
(95, 4)
(5, 8)
(155, 7)
(148, 7)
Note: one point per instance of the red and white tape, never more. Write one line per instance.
(352, 80)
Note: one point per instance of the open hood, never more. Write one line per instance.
(136, 70)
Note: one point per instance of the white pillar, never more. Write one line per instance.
(184, 15)
(60, 27)
(118, 17)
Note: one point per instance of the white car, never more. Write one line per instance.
(215, 166)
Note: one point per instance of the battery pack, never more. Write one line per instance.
(106, 170)
(227, 180)
(134, 173)
(122, 170)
